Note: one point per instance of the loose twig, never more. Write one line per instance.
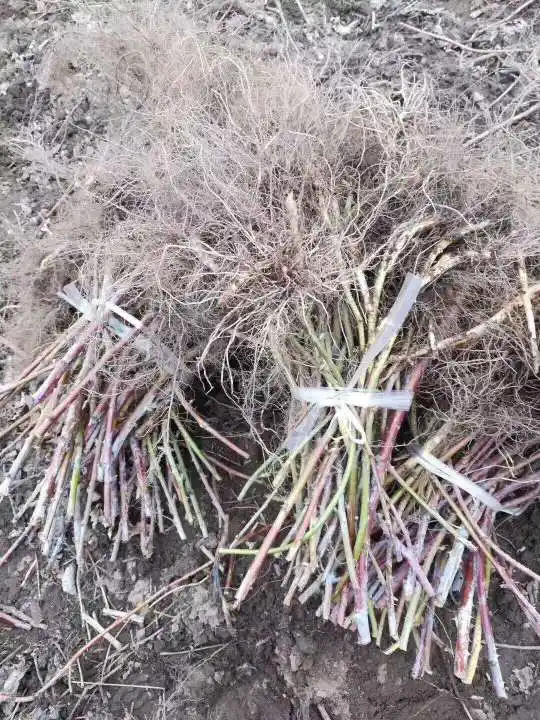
(475, 332)
(503, 124)
(119, 623)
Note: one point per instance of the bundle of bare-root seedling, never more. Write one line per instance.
(381, 532)
(115, 452)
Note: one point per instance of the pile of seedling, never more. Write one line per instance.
(369, 264)
(103, 449)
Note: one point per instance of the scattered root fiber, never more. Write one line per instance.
(234, 193)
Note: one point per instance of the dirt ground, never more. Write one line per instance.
(182, 659)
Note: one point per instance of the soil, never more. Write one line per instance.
(184, 660)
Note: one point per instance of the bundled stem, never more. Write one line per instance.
(410, 525)
(113, 459)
